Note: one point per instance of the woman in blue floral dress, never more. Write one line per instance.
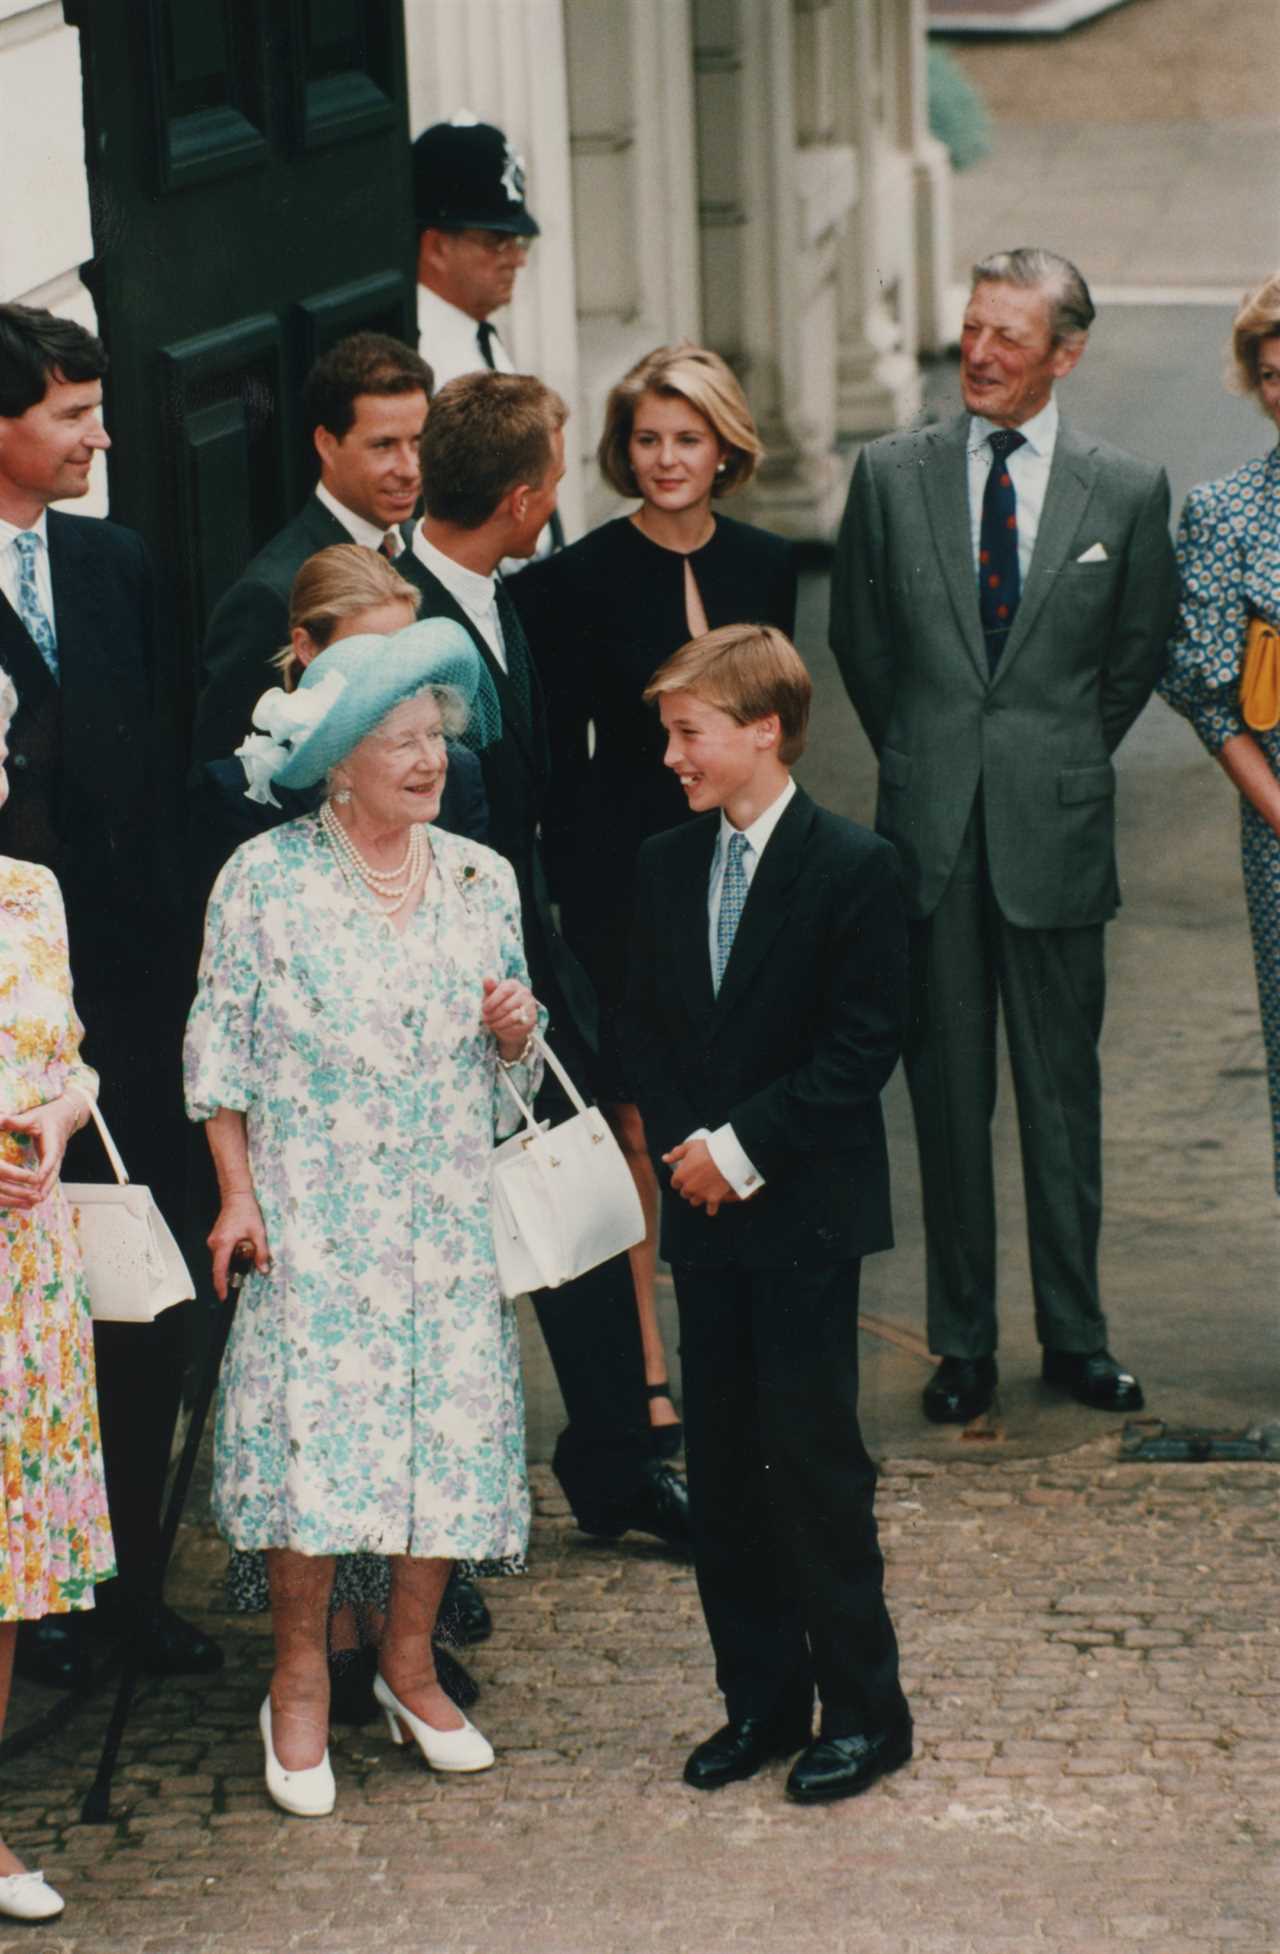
(1229, 556)
(360, 987)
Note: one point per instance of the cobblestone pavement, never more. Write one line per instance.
(1093, 1656)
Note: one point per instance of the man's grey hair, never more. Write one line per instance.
(1071, 310)
(8, 700)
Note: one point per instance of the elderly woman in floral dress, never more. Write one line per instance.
(55, 1539)
(360, 988)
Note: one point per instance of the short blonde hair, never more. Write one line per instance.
(8, 700)
(699, 376)
(1257, 319)
(748, 671)
(337, 583)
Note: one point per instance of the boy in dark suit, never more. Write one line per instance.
(768, 978)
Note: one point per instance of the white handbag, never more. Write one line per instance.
(132, 1264)
(563, 1197)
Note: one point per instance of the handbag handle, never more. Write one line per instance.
(118, 1167)
(575, 1098)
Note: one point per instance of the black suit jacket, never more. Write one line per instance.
(794, 1051)
(94, 796)
(517, 771)
(250, 623)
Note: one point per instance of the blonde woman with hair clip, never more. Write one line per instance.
(601, 616)
(1229, 558)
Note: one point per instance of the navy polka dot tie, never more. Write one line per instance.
(999, 579)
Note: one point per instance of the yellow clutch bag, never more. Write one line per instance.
(1260, 679)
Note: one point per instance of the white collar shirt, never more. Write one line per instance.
(11, 568)
(476, 594)
(356, 526)
(1028, 468)
(448, 340)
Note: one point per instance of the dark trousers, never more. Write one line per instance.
(1051, 985)
(592, 1332)
(781, 1494)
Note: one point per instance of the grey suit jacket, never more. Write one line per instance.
(1086, 648)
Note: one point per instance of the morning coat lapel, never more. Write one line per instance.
(768, 901)
(515, 722)
(686, 904)
(945, 479)
(76, 611)
(20, 659)
(1071, 478)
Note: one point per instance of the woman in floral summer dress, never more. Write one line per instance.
(360, 987)
(55, 1539)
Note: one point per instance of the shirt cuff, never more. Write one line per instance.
(725, 1150)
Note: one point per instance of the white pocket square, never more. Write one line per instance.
(1094, 554)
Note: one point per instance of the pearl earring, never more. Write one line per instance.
(721, 466)
(343, 795)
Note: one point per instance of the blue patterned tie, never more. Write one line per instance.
(999, 577)
(41, 632)
(733, 896)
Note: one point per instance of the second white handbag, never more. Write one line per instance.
(563, 1197)
(132, 1264)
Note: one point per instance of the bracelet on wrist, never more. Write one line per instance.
(524, 1054)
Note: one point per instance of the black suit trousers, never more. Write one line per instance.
(781, 1492)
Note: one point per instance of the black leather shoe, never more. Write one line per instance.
(960, 1389)
(52, 1653)
(1096, 1380)
(662, 1509)
(739, 1750)
(464, 1615)
(841, 1767)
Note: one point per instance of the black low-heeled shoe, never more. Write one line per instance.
(664, 1440)
(351, 1674)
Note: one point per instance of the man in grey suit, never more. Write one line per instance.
(1003, 592)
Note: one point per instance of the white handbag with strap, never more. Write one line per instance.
(563, 1197)
(132, 1264)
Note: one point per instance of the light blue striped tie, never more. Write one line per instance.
(733, 896)
(30, 610)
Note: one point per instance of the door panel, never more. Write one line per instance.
(250, 181)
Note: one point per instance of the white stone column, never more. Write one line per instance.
(45, 232)
(878, 380)
(505, 61)
(771, 206)
(931, 174)
(630, 87)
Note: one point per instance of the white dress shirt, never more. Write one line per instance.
(11, 568)
(723, 1145)
(477, 595)
(356, 527)
(1028, 468)
(448, 341)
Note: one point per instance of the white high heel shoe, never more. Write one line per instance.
(28, 1896)
(306, 1794)
(443, 1750)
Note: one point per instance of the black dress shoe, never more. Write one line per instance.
(661, 1508)
(51, 1652)
(841, 1767)
(167, 1645)
(1096, 1380)
(739, 1750)
(960, 1389)
(464, 1615)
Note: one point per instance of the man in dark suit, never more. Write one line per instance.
(94, 798)
(364, 403)
(1003, 593)
(492, 458)
(763, 1020)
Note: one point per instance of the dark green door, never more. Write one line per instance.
(249, 174)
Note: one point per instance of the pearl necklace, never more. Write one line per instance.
(391, 886)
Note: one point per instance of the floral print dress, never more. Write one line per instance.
(371, 1398)
(55, 1537)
